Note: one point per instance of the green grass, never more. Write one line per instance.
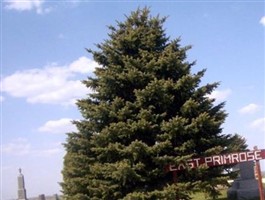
(202, 196)
(223, 196)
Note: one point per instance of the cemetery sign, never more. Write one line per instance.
(217, 160)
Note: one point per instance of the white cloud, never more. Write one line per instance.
(262, 21)
(259, 124)
(18, 147)
(27, 5)
(63, 125)
(249, 109)
(51, 149)
(22, 147)
(51, 84)
(83, 65)
(62, 36)
(48, 152)
(220, 95)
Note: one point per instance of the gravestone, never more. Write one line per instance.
(22, 195)
(56, 197)
(41, 197)
(246, 186)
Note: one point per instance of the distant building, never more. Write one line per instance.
(22, 194)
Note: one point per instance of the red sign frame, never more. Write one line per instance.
(218, 160)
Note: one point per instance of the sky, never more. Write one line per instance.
(43, 60)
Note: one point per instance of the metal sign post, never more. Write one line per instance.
(175, 180)
(258, 170)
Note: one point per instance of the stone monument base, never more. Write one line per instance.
(246, 187)
(243, 190)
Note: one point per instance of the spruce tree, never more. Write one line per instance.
(147, 110)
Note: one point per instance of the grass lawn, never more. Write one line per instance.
(201, 196)
(223, 196)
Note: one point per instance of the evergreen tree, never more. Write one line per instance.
(147, 110)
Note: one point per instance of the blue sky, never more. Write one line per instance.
(43, 60)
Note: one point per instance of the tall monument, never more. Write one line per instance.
(21, 187)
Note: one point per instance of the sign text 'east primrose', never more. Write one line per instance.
(217, 160)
